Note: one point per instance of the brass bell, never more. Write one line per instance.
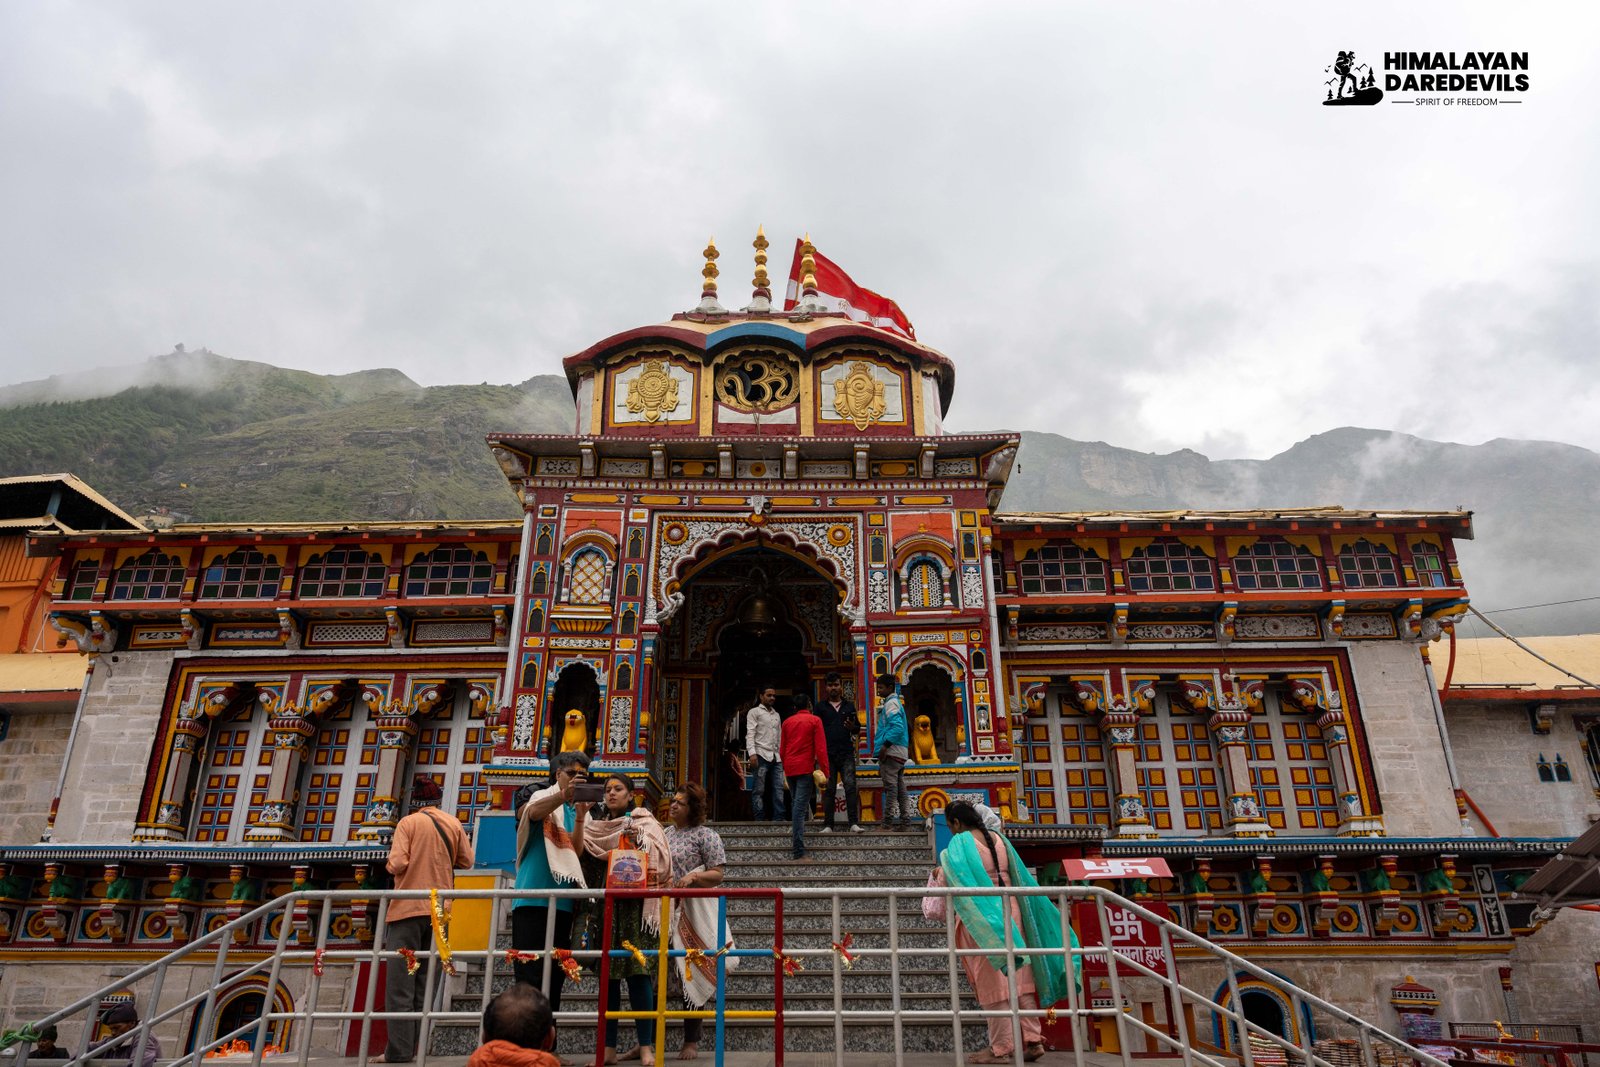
(756, 614)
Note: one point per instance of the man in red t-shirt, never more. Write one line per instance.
(804, 748)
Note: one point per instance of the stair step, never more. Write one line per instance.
(746, 1035)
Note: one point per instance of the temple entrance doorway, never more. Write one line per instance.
(752, 616)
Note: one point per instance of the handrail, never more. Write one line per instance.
(1116, 965)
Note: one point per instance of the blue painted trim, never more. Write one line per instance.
(770, 330)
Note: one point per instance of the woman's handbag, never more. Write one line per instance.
(933, 906)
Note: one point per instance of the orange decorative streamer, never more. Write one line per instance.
(411, 960)
(841, 948)
(441, 935)
(569, 966)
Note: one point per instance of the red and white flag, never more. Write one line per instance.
(836, 292)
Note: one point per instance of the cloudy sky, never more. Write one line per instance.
(1131, 222)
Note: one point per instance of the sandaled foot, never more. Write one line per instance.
(689, 1051)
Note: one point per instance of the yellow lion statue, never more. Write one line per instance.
(575, 736)
(922, 747)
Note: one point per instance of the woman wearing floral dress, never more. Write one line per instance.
(697, 861)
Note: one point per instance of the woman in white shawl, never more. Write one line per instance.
(616, 823)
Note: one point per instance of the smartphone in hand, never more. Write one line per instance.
(588, 792)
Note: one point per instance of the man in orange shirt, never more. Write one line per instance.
(428, 846)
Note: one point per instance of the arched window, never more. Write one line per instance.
(153, 576)
(1170, 567)
(536, 617)
(541, 581)
(587, 577)
(1432, 572)
(635, 544)
(1062, 569)
(342, 572)
(1273, 563)
(450, 570)
(624, 676)
(924, 585)
(1368, 566)
(630, 622)
(541, 547)
(243, 574)
(85, 576)
(630, 584)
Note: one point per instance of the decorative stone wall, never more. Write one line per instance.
(1403, 737)
(30, 764)
(1497, 755)
(112, 752)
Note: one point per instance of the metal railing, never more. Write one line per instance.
(1084, 1020)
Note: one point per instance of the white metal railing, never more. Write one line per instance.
(307, 955)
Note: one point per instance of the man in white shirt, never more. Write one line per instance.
(762, 728)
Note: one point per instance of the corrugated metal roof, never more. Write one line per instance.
(1496, 662)
(77, 486)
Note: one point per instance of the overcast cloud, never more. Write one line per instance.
(1125, 221)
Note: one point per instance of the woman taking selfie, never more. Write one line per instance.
(614, 825)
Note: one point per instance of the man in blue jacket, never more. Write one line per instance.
(893, 742)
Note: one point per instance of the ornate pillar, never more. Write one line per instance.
(1312, 693)
(188, 734)
(1119, 722)
(397, 732)
(1229, 725)
(275, 820)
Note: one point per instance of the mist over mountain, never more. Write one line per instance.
(205, 438)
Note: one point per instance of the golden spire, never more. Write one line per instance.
(708, 289)
(761, 299)
(808, 271)
(760, 245)
(710, 272)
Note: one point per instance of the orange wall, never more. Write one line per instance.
(23, 603)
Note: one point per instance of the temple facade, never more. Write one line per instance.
(758, 498)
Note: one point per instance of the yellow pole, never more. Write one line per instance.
(661, 985)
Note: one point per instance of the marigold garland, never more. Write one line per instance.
(1049, 1015)
(637, 954)
(440, 935)
(569, 966)
(411, 960)
(517, 955)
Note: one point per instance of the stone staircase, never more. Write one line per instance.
(758, 855)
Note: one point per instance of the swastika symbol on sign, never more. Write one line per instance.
(1125, 925)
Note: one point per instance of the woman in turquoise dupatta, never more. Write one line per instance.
(979, 858)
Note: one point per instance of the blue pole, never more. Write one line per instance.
(722, 974)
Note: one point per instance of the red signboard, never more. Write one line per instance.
(1132, 936)
(1120, 867)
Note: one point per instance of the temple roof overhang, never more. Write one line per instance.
(44, 543)
(1457, 524)
(810, 333)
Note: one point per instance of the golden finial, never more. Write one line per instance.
(808, 270)
(760, 245)
(708, 289)
(710, 272)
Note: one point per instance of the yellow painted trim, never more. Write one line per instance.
(708, 400)
(725, 501)
(181, 554)
(924, 500)
(595, 498)
(854, 500)
(664, 500)
(1310, 542)
(1343, 540)
(795, 501)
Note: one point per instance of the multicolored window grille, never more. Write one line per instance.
(234, 771)
(587, 581)
(1062, 569)
(450, 570)
(243, 574)
(85, 576)
(457, 737)
(1272, 563)
(1292, 776)
(342, 572)
(153, 576)
(1170, 567)
(1178, 773)
(924, 585)
(1429, 563)
(1064, 775)
(1365, 565)
(324, 776)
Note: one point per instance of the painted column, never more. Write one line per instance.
(275, 820)
(1121, 729)
(397, 732)
(188, 734)
(1312, 693)
(1231, 702)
